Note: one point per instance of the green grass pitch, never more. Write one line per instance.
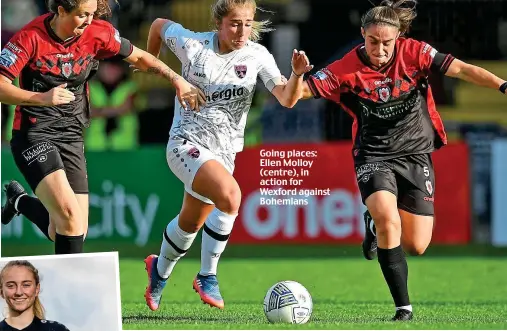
(459, 292)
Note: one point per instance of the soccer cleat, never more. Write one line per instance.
(370, 239)
(156, 284)
(12, 190)
(402, 315)
(207, 288)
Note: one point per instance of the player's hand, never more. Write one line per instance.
(57, 96)
(300, 63)
(189, 96)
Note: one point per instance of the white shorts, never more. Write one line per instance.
(185, 158)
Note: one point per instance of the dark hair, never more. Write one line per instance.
(38, 309)
(221, 8)
(103, 9)
(397, 13)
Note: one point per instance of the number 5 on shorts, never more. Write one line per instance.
(426, 171)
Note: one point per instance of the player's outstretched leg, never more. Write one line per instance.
(19, 202)
(391, 257)
(215, 235)
(370, 237)
(175, 244)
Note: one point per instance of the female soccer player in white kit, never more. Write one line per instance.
(202, 147)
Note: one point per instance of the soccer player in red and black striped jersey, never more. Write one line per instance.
(383, 85)
(55, 56)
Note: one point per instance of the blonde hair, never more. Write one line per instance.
(397, 13)
(38, 308)
(222, 8)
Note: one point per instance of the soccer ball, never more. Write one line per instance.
(288, 302)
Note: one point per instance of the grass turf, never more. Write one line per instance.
(348, 293)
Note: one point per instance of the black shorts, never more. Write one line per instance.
(36, 158)
(411, 178)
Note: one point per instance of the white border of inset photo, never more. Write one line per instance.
(80, 291)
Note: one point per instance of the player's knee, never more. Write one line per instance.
(230, 200)
(68, 219)
(385, 224)
(415, 249)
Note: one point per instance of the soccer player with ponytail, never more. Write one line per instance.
(383, 85)
(225, 64)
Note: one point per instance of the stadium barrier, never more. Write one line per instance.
(133, 195)
(499, 192)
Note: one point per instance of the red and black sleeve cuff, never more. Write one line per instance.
(441, 62)
(313, 88)
(7, 74)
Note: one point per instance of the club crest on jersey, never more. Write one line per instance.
(67, 69)
(429, 187)
(194, 153)
(384, 93)
(240, 70)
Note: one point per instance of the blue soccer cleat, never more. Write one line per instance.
(207, 288)
(156, 284)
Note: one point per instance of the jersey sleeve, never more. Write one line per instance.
(269, 72)
(185, 44)
(16, 54)
(112, 44)
(325, 83)
(431, 60)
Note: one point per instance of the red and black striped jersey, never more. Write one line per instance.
(43, 61)
(393, 108)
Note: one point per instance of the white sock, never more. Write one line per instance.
(215, 236)
(409, 308)
(175, 244)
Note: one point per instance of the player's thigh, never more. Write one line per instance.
(416, 202)
(74, 161)
(416, 232)
(59, 199)
(206, 176)
(378, 187)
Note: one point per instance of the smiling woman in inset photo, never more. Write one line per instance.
(20, 287)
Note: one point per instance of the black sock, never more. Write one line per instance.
(395, 269)
(35, 211)
(68, 244)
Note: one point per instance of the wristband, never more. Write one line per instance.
(503, 87)
(297, 74)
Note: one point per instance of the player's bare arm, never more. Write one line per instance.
(154, 43)
(288, 94)
(186, 92)
(13, 95)
(306, 93)
(474, 74)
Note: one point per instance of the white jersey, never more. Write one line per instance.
(227, 80)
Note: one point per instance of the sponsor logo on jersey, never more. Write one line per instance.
(171, 43)
(65, 56)
(199, 74)
(227, 94)
(67, 69)
(240, 70)
(382, 82)
(13, 47)
(321, 75)
(384, 93)
(7, 58)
